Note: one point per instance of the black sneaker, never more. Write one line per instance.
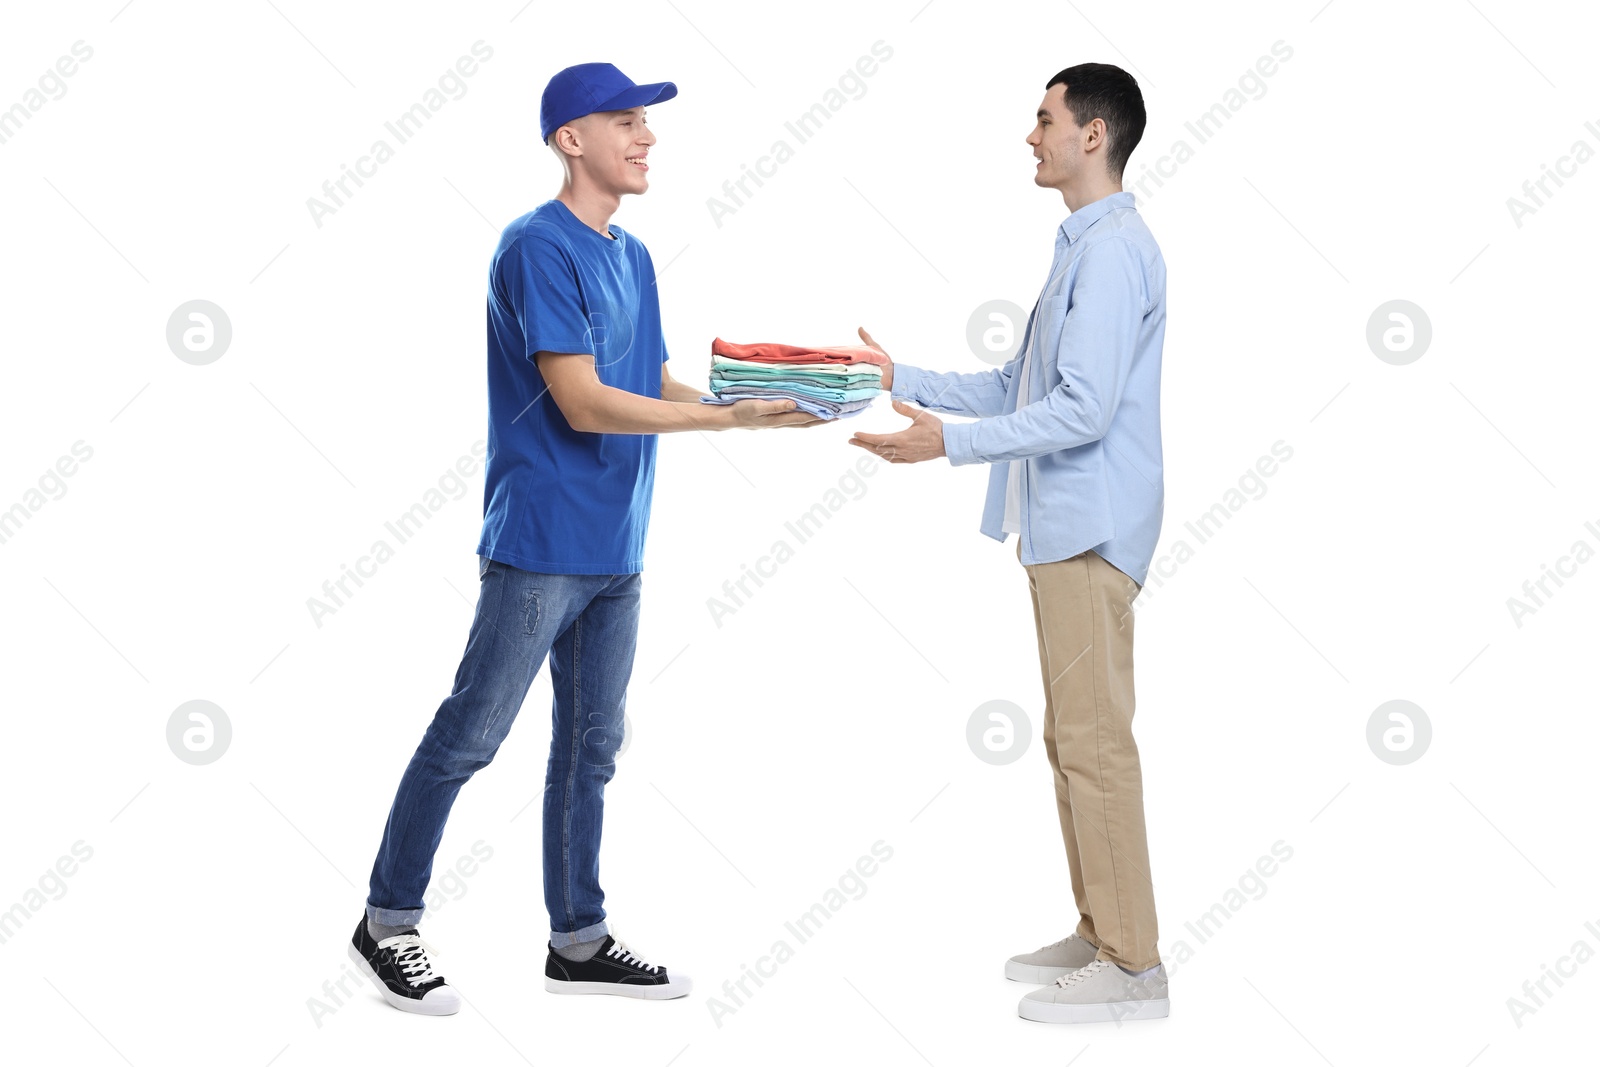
(613, 969)
(403, 972)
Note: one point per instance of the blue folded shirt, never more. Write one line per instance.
(827, 409)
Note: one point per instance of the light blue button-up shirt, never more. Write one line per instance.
(1090, 429)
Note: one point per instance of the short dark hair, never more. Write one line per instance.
(1102, 91)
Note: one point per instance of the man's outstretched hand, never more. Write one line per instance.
(888, 368)
(923, 439)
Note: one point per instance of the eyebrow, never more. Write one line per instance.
(1042, 114)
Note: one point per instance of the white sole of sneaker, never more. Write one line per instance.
(1034, 974)
(1120, 1011)
(678, 987)
(432, 1005)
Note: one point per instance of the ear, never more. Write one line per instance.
(1094, 133)
(565, 141)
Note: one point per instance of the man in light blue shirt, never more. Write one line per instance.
(1072, 429)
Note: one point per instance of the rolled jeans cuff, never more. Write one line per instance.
(562, 939)
(395, 916)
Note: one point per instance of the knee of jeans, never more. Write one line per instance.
(598, 746)
(468, 748)
(470, 755)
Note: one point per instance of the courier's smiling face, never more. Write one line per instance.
(614, 146)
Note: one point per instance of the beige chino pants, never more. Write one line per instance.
(1082, 610)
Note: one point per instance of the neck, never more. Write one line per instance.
(1077, 195)
(592, 206)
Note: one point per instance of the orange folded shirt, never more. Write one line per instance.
(774, 353)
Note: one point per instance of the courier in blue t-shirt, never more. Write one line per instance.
(555, 499)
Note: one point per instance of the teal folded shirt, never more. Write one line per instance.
(724, 372)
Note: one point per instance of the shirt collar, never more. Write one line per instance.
(1089, 214)
(575, 224)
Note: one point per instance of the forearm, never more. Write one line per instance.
(1063, 419)
(677, 392)
(612, 410)
(979, 394)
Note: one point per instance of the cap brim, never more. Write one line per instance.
(640, 96)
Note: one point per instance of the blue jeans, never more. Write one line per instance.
(588, 625)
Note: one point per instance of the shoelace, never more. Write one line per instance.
(1082, 974)
(626, 955)
(411, 955)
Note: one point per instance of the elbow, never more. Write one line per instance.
(579, 416)
(1091, 420)
(584, 405)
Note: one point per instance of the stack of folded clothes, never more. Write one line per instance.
(831, 383)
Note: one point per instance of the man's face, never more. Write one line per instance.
(1056, 140)
(614, 146)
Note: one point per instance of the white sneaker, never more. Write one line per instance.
(1100, 992)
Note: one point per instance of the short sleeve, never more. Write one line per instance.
(541, 288)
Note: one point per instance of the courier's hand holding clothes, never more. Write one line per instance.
(923, 439)
(757, 414)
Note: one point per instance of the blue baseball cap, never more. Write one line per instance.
(590, 87)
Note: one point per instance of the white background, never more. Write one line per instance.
(830, 711)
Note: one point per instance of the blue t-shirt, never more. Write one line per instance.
(556, 499)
